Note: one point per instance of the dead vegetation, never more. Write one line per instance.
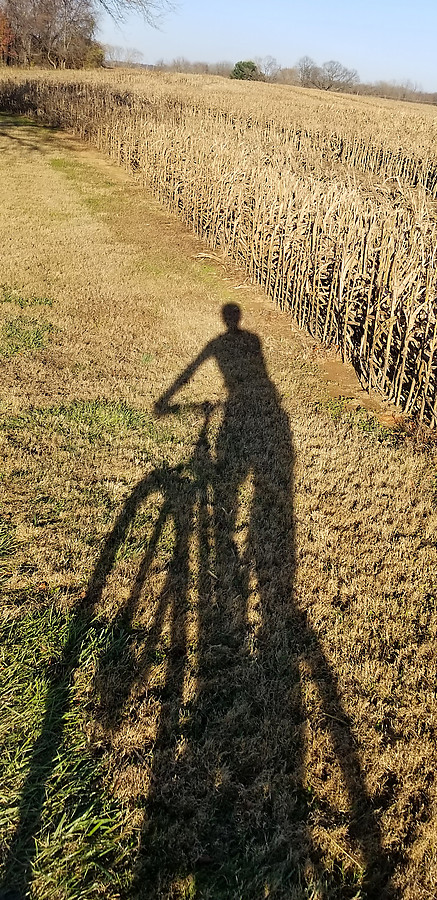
(316, 200)
(219, 615)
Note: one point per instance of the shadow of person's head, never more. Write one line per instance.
(231, 315)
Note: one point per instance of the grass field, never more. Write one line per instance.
(219, 608)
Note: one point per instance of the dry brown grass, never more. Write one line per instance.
(338, 225)
(275, 735)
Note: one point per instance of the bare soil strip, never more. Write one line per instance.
(219, 574)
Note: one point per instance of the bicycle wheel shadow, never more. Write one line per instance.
(227, 812)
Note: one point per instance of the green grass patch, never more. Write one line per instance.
(95, 190)
(60, 829)
(75, 169)
(339, 410)
(60, 164)
(97, 414)
(9, 120)
(336, 407)
(94, 421)
(22, 335)
(100, 421)
(13, 295)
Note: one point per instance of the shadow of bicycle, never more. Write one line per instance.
(227, 810)
(210, 685)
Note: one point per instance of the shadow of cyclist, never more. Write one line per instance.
(226, 812)
(230, 812)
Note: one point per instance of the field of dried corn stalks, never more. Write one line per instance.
(329, 203)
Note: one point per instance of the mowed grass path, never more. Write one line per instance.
(219, 613)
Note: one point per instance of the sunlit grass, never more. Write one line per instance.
(84, 838)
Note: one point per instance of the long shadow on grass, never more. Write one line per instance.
(9, 126)
(227, 813)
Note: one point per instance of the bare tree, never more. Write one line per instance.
(152, 11)
(61, 32)
(307, 71)
(198, 67)
(268, 66)
(22, 20)
(55, 32)
(122, 56)
(333, 76)
(73, 24)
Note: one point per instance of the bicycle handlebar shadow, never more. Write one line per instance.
(227, 805)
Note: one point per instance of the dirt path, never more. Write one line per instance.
(105, 300)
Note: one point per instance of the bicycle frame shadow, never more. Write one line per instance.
(227, 813)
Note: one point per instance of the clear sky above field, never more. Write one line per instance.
(382, 39)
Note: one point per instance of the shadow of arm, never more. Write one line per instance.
(162, 405)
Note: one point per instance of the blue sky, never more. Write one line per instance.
(384, 40)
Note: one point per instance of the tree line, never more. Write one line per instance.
(57, 33)
(61, 33)
(330, 76)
